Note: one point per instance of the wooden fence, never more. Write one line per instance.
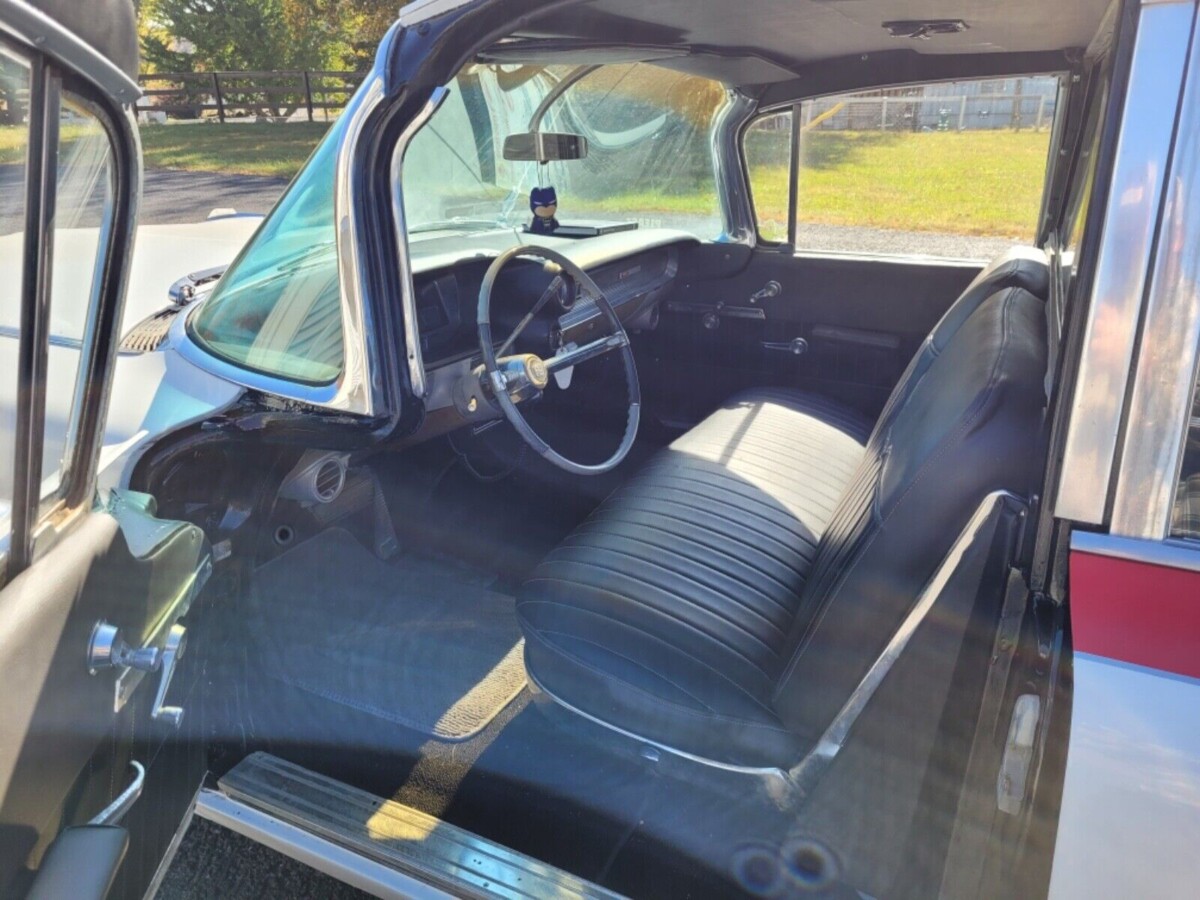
(190, 95)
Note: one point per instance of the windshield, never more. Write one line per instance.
(649, 161)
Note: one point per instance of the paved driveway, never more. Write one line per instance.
(172, 196)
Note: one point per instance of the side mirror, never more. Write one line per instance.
(545, 146)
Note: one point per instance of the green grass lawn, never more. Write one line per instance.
(981, 182)
(978, 183)
(258, 148)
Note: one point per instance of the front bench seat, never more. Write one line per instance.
(725, 601)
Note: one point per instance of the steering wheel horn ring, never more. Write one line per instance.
(534, 372)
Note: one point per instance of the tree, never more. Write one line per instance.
(261, 36)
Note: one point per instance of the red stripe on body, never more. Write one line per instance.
(1136, 612)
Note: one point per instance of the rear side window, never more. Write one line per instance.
(1185, 518)
(953, 169)
(278, 309)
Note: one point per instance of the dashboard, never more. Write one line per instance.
(634, 269)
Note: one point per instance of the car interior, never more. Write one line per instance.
(638, 594)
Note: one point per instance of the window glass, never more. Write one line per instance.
(953, 169)
(14, 144)
(83, 204)
(649, 152)
(278, 308)
(768, 149)
(1185, 519)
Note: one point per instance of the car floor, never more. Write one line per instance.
(403, 677)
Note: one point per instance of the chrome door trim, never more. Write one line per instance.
(408, 291)
(312, 850)
(36, 29)
(1164, 381)
(1168, 554)
(1130, 221)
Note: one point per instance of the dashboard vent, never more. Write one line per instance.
(330, 477)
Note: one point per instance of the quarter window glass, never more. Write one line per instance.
(278, 308)
(1185, 519)
(954, 169)
(768, 144)
(83, 203)
(14, 145)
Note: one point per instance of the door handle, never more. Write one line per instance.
(797, 346)
(109, 649)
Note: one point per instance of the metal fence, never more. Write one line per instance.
(963, 112)
(229, 95)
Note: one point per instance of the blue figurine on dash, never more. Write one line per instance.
(543, 201)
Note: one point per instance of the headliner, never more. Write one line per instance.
(747, 42)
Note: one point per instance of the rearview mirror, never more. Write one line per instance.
(545, 146)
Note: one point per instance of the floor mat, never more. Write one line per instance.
(413, 642)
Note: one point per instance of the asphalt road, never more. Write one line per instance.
(171, 196)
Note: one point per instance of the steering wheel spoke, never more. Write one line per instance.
(532, 372)
(573, 356)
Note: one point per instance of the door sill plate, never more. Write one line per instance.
(380, 846)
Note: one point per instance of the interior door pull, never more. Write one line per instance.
(796, 345)
(115, 811)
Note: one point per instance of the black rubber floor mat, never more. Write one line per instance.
(407, 642)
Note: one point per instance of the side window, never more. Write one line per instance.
(768, 148)
(14, 146)
(1185, 519)
(952, 169)
(83, 205)
(278, 309)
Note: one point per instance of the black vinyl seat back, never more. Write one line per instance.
(965, 421)
(728, 598)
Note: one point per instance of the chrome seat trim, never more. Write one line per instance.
(807, 773)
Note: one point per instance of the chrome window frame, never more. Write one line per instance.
(1131, 217)
(1165, 371)
(358, 388)
(66, 64)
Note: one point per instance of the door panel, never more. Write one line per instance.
(860, 319)
(64, 746)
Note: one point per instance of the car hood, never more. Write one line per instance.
(162, 254)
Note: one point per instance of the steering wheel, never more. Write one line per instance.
(515, 378)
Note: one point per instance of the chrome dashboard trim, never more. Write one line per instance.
(1130, 223)
(1173, 554)
(408, 291)
(1164, 380)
